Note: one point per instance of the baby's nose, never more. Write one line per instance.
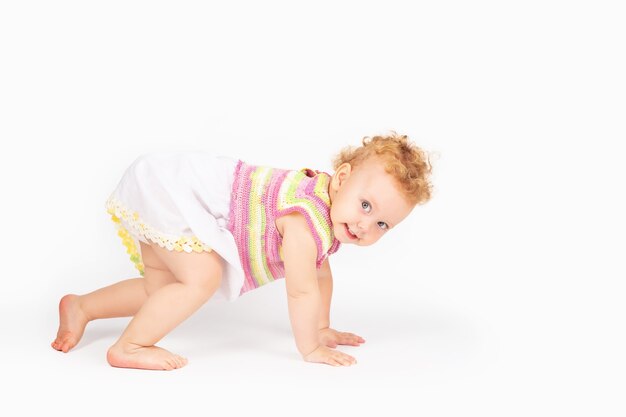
(364, 224)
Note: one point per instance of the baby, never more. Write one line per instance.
(199, 226)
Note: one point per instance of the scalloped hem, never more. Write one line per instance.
(126, 219)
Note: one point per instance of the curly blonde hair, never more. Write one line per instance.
(408, 164)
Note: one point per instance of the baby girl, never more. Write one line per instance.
(200, 227)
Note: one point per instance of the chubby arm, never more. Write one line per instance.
(299, 252)
(327, 336)
(325, 285)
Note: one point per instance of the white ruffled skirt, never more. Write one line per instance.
(181, 202)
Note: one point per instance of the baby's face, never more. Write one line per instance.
(365, 203)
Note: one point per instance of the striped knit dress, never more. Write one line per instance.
(201, 202)
(260, 195)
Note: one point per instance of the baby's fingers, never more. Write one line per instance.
(341, 359)
(329, 356)
(351, 339)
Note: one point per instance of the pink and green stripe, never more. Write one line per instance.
(260, 195)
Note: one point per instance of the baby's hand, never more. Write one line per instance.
(331, 338)
(332, 357)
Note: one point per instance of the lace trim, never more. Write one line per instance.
(119, 213)
(131, 248)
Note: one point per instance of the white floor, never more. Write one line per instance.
(496, 353)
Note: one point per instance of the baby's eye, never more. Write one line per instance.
(366, 206)
(383, 225)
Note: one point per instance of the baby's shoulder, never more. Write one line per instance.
(294, 224)
(296, 236)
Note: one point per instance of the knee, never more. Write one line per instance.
(210, 283)
(201, 273)
(202, 290)
(204, 285)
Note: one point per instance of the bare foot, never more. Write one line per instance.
(143, 357)
(72, 322)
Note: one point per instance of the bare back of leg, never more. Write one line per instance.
(122, 299)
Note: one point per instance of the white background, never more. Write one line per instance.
(502, 296)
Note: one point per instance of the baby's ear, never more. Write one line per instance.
(342, 173)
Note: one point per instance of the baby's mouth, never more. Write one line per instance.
(349, 233)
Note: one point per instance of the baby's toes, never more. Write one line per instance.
(177, 362)
(68, 343)
(180, 361)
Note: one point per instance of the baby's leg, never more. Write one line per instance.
(198, 276)
(122, 299)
